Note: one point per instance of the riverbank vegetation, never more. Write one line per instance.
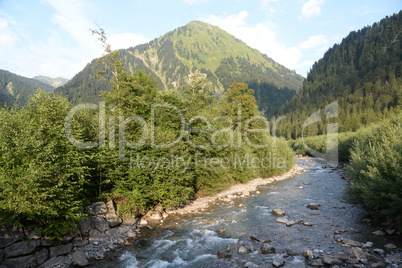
(374, 157)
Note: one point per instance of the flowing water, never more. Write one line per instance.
(194, 240)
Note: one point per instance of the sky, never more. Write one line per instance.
(53, 37)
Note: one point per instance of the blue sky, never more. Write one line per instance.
(52, 37)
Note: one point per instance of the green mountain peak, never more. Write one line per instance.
(197, 47)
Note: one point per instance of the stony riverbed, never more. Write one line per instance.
(304, 221)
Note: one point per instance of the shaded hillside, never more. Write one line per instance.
(363, 73)
(16, 89)
(197, 46)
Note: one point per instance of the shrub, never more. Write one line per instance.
(376, 169)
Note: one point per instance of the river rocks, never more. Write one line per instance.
(278, 262)
(282, 220)
(313, 206)
(224, 254)
(307, 253)
(278, 212)
(351, 243)
(78, 258)
(378, 265)
(367, 245)
(244, 250)
(378, 233)
(267, 249)
(390, 246)
(97, 234)
(251, 265)
(315, 262)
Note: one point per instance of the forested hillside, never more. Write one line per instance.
(16, 89)
(54, 82)
(363, 73)
(196, 48)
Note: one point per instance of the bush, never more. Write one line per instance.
(41, 176)
(376, 169)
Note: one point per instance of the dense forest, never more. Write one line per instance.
(16, 89)
(363, 73)
(196, 48)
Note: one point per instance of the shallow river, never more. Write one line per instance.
(194, 240)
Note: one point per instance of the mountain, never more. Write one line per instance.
(194, 47)
(363, 73)
(16, 89)
(54, 82)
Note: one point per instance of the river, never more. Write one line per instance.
(193, 240)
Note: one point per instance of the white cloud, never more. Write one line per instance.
(7, 37)
(314, 41)
(266, 3)
(311, 8)
(259, 36)
(126, 40)
(194, 2)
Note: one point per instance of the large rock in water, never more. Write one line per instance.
(278, 212)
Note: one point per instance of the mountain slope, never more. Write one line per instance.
(363, 73)
(54, 82)
(16, 89)
(202, 47)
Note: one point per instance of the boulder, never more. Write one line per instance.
(282, 220)
(308, 253)
(97, 209)
(101, 224)
(278, 262)
(390, 246)
(316, 262)
(97, 236)
(111, 216)
(78, 258)
(267, 249)
(352, 243)
(290, 223)
(368, 245)
(2, 253)
(60, 250)
(251, 265)
(21, 248)
(153, 216)
(378, 265)
(86, 225)
(243, 250)
(27, 261)
(278, 212)
(378, 251)
(10, 235)
(61, 261)
(378, 233)
(80, 243)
